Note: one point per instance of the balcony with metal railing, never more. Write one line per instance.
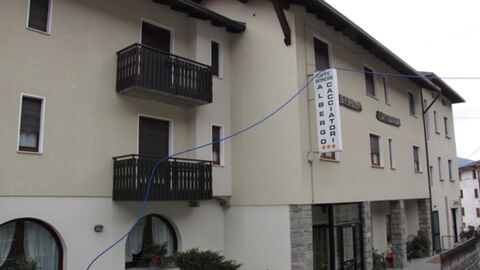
(156, 75)
(174, 179)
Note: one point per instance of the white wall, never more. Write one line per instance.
(259, 237)
(73, 219)
(469, 202)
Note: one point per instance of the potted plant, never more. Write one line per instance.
(153, 257)
(18, 263)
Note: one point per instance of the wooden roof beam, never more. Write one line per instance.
(283, 22)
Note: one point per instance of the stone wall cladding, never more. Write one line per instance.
(398, 224)
(467, 261)
(367, 236)
(301, 237)
(424, 219)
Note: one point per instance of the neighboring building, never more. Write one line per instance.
(443, 168)
(470, 194)
(88, 81)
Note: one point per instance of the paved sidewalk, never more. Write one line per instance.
(429, 263)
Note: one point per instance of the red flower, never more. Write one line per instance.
(155, 259)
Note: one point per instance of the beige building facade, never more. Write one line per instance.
(138, 81)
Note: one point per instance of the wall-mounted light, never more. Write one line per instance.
(98, 228)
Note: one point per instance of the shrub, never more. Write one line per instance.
(193, 259)
(420, 246)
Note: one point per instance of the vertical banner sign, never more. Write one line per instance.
(327, 108)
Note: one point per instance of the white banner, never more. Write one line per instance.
(327, 108)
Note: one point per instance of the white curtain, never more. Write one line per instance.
(7, 232)
(28, 139)
(134, 241)
(161, 234)
(40, 246)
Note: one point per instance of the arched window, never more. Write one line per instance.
(151, 233)
(29, 243)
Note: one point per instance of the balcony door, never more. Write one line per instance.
(156, 37)
(153, 137)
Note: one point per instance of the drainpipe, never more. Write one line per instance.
(424, 111)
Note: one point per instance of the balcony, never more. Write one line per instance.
(155, 75)
(175, 179)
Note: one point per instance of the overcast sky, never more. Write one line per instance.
(432, 35)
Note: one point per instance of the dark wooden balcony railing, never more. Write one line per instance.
(175, 179)
(152, 74)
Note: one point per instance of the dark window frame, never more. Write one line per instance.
(29, 125)
(215, 58)
(411, 104)
(217, 150)
(375, 154)
(416, 158)
(370, 82)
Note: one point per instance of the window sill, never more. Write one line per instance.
(39, 31)
(452, 180)
(438, 132)
(393, 168)
(218, 77)
(442, 179)
(219, 165)
(377, 166)
(28, 152)
(418, 171)
(330, 160)
(414, 116)
(374, 97)
(448, 137)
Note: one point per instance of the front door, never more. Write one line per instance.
(436, 232)
(348, 247)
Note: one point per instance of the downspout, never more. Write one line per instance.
(424, 111)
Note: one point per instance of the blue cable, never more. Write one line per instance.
(142, 209)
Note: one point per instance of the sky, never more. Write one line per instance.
(431, 35)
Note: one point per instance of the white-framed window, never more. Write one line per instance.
(386, 90)
(216, 58)
(431, 175)
(30, 128)
(435, 122)
(416, 159)
(440, 174)
(450, 170)
(391, 153)
(370, 82)
(152, 233)
(411, 104)
(376, 157)
(447, 129)
(217, 148)
(39, 15)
